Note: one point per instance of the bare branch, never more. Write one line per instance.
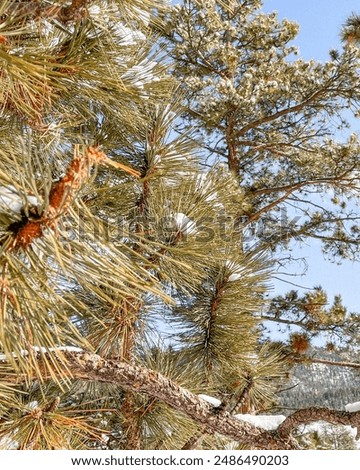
(354, 365)
(310, 415)
(283, 112)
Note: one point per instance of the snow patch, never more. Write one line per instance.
(67, 348)
(213, 401)
(7, 443)
(237, 271)
(10, 199)
(324, 428)
(33, 405)
(128, 36)
(205, 186)
(143, 15)
(94, 11)
(352, 407)
(141, 74)
(157, 159)
(185, 224)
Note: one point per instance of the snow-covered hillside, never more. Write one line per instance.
(321, 385)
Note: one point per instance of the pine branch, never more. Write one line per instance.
(66, 14)
(305, 323)
(195, 440)
(232, 151)
(310, 415)
(336, 181)
(236, 402)
(130, 409)
(73, 12)
(270, 206)
(214, 305)
(291, 109)
(91, 367)
(313, 360)
(132, 424)
(62, 195)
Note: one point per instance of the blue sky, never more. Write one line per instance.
(320, 23)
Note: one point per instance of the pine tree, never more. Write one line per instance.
(129, 294)
(274, 121)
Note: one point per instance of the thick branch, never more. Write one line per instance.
(290, 189)
(233, 159)
(87, 366)
(92, 367)
(310, 415)
(305, 323)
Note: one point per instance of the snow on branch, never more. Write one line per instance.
(62, 195)
(312, 414)
(353, 406)
(88, 366)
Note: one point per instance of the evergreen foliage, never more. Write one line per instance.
(148, 154)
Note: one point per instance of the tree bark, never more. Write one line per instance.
(309, 415)
(141, 380)
(88, 366)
